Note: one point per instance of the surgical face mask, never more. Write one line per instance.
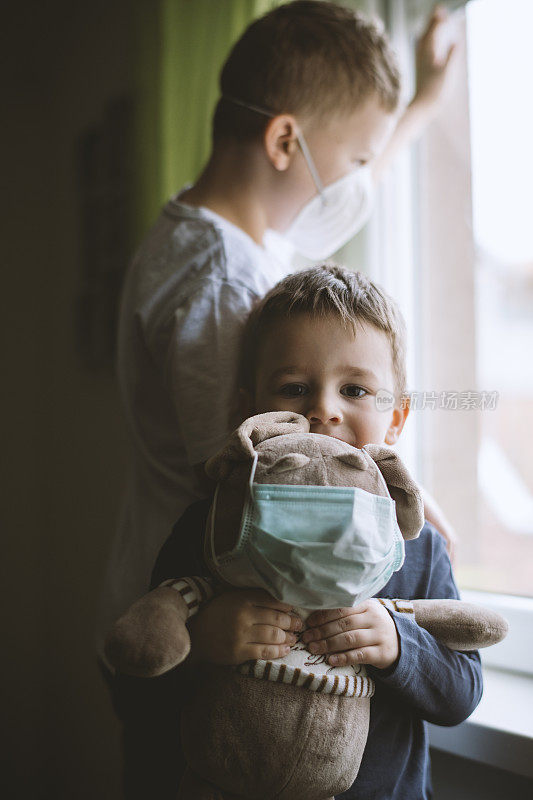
(311, 546)
(331, 218)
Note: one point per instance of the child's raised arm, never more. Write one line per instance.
(432, 72)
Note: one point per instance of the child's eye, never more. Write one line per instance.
(293, 390)
(353, 391)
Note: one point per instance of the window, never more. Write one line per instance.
(476, 288)
(452, 240)
(501, 121)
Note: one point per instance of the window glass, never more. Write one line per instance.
(500, 75)
(451, 239)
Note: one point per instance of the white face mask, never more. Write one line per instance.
(333, 216)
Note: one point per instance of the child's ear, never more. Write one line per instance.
(399, 416)
(280, 141)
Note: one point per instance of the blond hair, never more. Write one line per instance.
(308, 58)
(325, 291)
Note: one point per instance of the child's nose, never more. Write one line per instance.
(324, 410)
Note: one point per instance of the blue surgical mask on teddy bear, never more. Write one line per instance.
(312, 546)
(334, 215)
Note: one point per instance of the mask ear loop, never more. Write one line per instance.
(212, 513)
(252, 475)
(311, 165)
(211, 535)
(249, 106)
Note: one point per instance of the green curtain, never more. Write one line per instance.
(180, 46)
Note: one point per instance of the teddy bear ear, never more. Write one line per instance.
(356, 459)
(288, 462)
(402, 488)
(254, 430)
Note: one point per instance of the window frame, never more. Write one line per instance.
(390, 250)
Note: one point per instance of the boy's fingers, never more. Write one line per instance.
(438, 15)
(351, 640)
(326, 615)
(296, 623)
(329, 629)
(267, 634)
(361, 655)
(318, 618)
(347, 623)
(277, 619)
(266, 652)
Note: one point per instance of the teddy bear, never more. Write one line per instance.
(319, 524)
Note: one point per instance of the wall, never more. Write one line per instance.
(64, 444)
(461, 779)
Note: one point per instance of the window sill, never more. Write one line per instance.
(500, 730)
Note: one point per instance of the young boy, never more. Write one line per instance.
(324, 343)
(308, 95)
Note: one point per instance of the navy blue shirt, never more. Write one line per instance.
(428, 681)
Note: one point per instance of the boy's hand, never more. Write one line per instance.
(365, 634)
(240, 625)
(433, 60)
